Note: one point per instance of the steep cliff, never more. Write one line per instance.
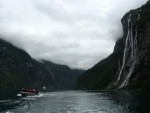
(18, 69)
(103, 73)
(129, 65)
(134, 71)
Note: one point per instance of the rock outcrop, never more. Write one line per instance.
(134, 70)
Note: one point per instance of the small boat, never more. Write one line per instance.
(29, 92)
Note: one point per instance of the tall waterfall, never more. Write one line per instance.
(130, 58)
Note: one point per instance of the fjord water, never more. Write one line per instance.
(78, 102)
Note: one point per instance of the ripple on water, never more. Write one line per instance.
(9, 112)
(73, 102)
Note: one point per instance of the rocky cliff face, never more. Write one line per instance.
(130, 66)
(104, 73)
(134, 69)
(18, 69)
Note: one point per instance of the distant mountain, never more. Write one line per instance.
(128, 67)
(63, 76)
(18, 69)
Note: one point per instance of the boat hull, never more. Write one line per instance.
(24, 94)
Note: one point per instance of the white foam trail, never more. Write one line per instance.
(19, 95)
(9, 112)
(37, 96)
(34, 97)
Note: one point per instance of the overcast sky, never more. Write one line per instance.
(77, 33)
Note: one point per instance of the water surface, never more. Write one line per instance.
(78, 102)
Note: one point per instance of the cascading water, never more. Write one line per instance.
(130, 58)
(125, 52)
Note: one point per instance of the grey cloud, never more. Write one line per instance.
(78, 33)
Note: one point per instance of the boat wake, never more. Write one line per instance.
(9, 112)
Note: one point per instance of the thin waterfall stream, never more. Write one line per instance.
(130, 57)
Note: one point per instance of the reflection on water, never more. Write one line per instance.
(78, 102)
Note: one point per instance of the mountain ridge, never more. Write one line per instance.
(18, 69)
